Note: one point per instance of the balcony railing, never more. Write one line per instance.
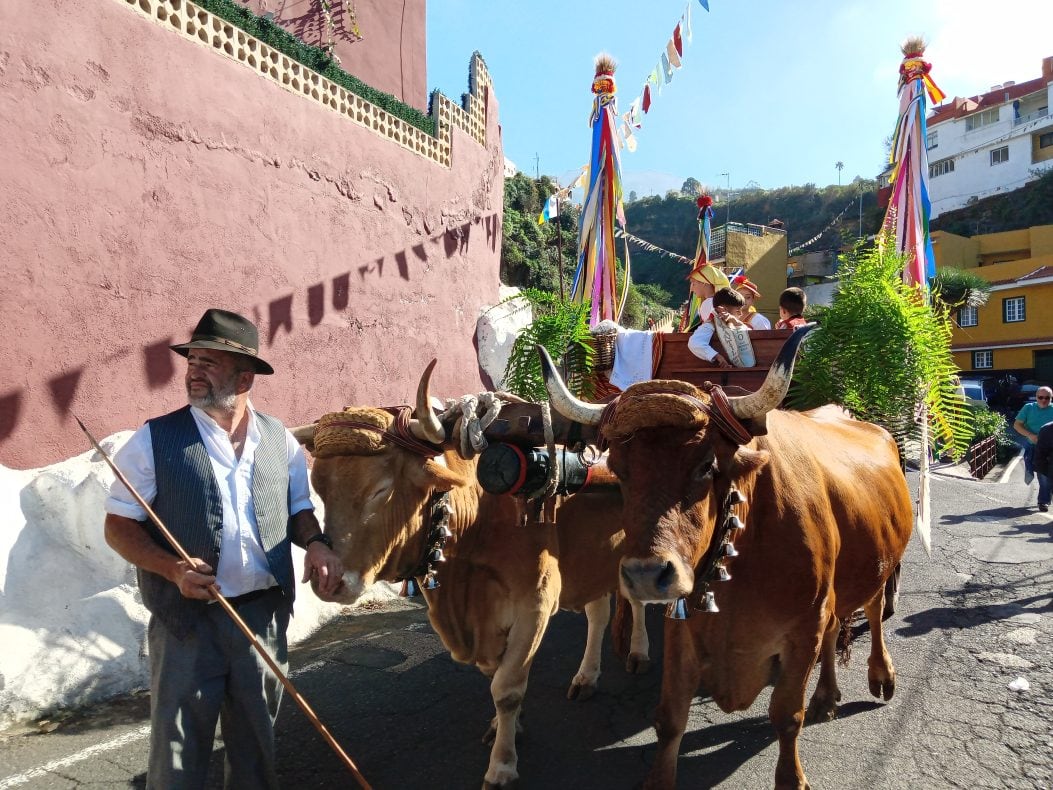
(1041, 112)
(718, 239)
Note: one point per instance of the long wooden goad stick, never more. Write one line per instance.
(289, 687)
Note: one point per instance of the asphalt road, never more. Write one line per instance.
(972, 619)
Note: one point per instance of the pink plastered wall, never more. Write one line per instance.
(145, 178)
(390, 52)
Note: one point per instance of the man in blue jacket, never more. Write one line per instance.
(1029, 421)
(230, 484)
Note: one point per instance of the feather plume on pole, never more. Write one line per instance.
(594, 279)
(907, 218)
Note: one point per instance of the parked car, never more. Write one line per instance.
(1025, 393)
(977, 391)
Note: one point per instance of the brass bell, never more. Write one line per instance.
(430, 582)
(734, 522)
(709, 603)
(444, 532)
(722, 574)
(728, 550)
(410, 589)
(436, 556)
(677, 610)
(736, 497)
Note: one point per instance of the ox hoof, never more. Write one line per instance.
(822, 709)
(883, 689)
(581, 690)
(502, 784)
(637, 664)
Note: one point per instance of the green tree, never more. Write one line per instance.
(692, 187)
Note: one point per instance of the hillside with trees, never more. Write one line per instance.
(530, 253)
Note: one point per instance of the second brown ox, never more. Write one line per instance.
(501, 580)
(819, 512)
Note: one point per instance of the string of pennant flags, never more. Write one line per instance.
(819, 235)
(649, 246)
(670, 60)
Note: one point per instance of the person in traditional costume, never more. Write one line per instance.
(792, 302)
(705, 280)
(751, 294)
(726, 304)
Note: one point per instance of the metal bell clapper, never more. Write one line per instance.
(728, 550)
(722, 574)
(677, 610)
(410, 589)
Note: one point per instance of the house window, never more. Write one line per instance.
(940, 168)
(983, 360)
(1013, 310)
(967, 317)
(931, 140)
(985, 118)
(1045, 140)
(1000, 155)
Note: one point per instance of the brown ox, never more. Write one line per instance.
(501, 580)
(826, 516)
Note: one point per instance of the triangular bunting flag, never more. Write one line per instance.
(667, 68)
(646, 104)
(674, 59)
(678, 42)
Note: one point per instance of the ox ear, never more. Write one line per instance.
(745, 461)
(439, 476)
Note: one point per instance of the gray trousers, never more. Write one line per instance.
(215, 673)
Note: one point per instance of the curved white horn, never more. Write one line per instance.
(304, 434)
(777, 382)
(560, 397)
(425, 425)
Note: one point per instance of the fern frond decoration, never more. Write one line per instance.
(880, 350)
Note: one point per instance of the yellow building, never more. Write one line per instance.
(1013, 332)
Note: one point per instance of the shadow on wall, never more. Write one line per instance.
(158, 364)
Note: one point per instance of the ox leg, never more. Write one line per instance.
(639, 660)
(786, 710)
(880, 672)
(823, 705)
(598, 613)
(508, 688)
(681, 674)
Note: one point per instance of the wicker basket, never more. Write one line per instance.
(603, 343)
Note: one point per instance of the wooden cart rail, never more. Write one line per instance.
(678, 362)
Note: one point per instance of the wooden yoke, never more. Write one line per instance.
(521, 423)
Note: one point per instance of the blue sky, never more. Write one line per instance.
(771, 92)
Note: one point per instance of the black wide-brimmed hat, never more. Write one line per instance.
(226, 331)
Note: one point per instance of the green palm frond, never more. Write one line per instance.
(880, 350)
(955, 288)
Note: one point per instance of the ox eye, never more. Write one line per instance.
(705, 470)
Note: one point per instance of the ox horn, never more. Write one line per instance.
(562, 401)
(777, 382)
(304, 434)
(425, 425)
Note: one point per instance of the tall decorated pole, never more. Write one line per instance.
(907, 218)
(703, 273)
(594, 280)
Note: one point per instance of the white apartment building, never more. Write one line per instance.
(991, 143)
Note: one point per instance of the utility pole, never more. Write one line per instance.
(727, 216)
(537, 167)
(860, 210)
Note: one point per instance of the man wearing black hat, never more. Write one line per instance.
(230, 483)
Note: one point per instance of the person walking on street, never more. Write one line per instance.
(230, 484)
(1044, 465)
(1029, 420)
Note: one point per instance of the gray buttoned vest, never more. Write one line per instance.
(189, 505)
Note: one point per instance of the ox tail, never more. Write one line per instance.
(622, 627)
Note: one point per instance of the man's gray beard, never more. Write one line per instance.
(223, 398)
